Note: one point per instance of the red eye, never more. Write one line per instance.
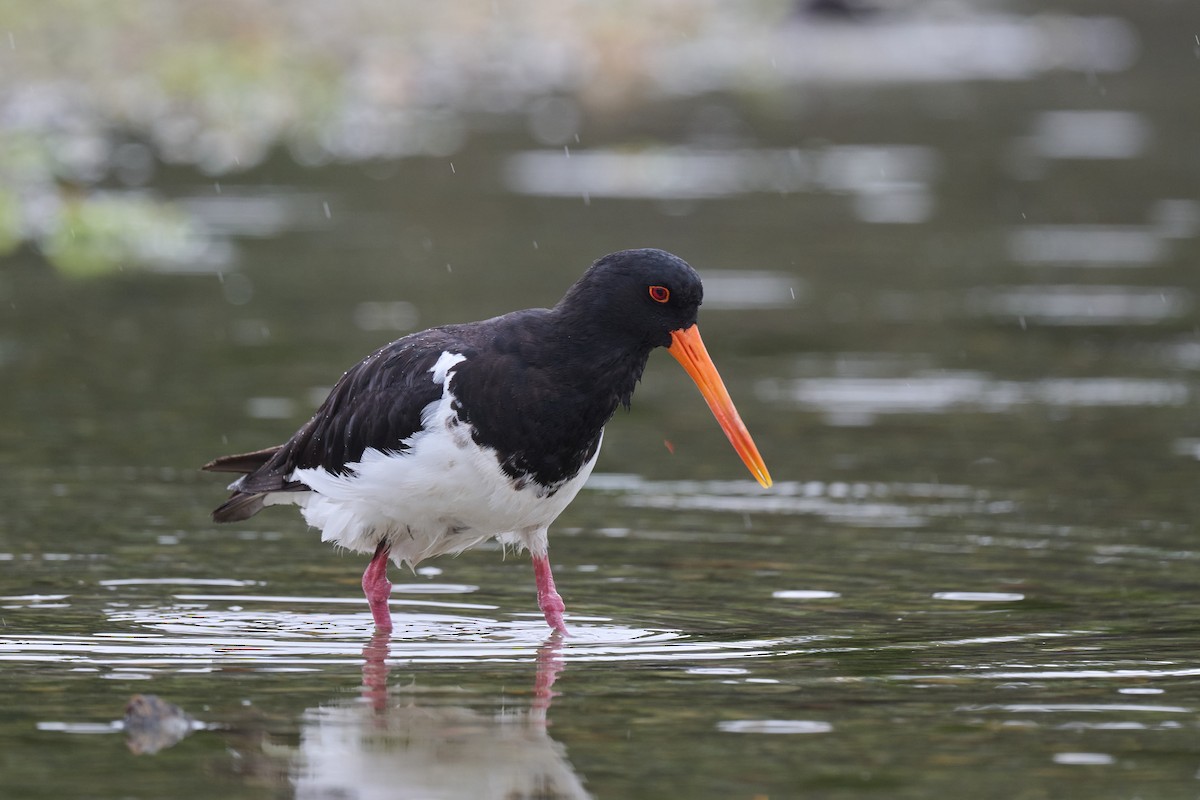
(660, 294)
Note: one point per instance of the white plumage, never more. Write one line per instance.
(441, 495)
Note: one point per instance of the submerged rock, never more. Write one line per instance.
(153, 724)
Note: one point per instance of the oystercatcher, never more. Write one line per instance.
(455, 435)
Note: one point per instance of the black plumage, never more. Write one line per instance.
(537, 385)
(533, 388)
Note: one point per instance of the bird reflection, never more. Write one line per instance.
(392, 745)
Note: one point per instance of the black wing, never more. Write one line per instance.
(376, 404)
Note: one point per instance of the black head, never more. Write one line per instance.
(639, 296)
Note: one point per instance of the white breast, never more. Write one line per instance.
(441, 495)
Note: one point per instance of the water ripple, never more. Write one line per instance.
(892, 505)
(195, 634)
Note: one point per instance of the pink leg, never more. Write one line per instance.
(548, 598)
(378, 588)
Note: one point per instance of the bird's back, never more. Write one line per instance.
(517, 390)
(376, 404)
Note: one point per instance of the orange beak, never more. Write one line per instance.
(688, 349)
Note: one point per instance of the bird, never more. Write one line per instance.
(459, 434)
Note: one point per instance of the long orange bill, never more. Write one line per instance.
(688, 349)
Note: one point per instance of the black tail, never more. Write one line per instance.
(240, 506)
(245, 463)
(243, 505)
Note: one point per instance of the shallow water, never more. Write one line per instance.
(956, 307)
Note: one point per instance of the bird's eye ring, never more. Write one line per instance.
(660, 294)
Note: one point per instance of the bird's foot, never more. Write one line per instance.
(552, 606)
(381, 613)
(549, 600)
(378, 588)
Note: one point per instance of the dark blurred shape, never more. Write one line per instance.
(837, 9)
(153, 724)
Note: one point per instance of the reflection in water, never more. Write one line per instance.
(1080, 708)
(743, 289)
(1090, 245)
(1084, 759)
(774, 726)
(1083, 305)
(805, 594)
(875, 505)
(394, 746)
(1187, 447)
(150, 724)
(398, 743)
(1090, 134)
(890, 182)
(424, 741)
(257, 211)
(980, 597)
(858, 401)
(16, 601)
(1176, 218)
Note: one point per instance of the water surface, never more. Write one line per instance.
(952, 290)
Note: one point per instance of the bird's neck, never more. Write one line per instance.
(598, 362)
(543, 398)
